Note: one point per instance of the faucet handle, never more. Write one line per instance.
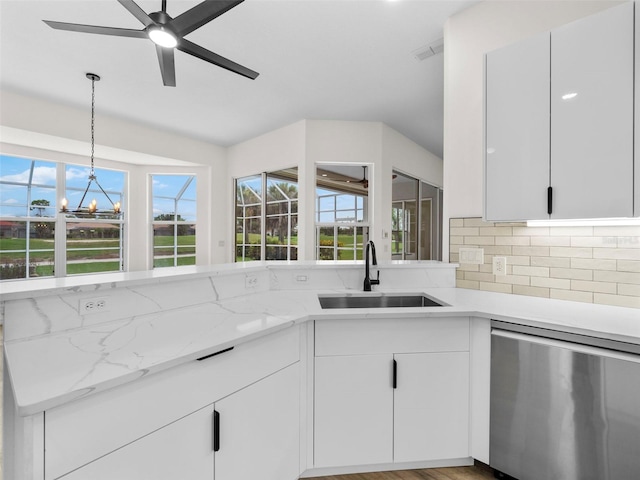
(376, 281)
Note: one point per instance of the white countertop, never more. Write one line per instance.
(50, 370)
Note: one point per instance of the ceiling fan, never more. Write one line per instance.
(341, 178)
(168, 33)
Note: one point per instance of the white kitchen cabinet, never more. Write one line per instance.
(361, 419)
(517, 130)
(260, 430)
(592, 131)
(353, 410)
(179, 450)
(431, 406)
(562, 110)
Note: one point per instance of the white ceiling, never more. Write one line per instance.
(317, 59)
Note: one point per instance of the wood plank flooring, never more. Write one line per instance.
(450, 473)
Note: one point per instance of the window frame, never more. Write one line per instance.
(175, 223)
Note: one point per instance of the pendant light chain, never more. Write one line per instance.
(92, 211)
(93, 115)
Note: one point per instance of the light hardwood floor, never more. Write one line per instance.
(452, 473)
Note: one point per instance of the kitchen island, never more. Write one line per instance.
(152, 328)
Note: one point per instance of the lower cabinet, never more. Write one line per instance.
(257, 430)
(431, 406)
(353, 410)
(260, 430)
(182, 449)
(401, 406)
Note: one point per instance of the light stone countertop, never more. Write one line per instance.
(53, 369)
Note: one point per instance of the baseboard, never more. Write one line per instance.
(386, 467)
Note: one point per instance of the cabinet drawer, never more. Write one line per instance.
(407, 335)
(81, 431)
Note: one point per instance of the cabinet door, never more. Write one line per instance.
(517, 130)
(431, 406)
(180, 450)
(592, 115)
(260, 430)
(353, 410)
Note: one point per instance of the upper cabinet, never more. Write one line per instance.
(559, 122)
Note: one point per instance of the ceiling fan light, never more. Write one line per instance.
(162, 36)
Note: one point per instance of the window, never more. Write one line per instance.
(93, 244)
(174, 220)
(341, 212)
(27, 218)
(267, 224)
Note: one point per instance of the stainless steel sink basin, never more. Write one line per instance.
(378, 301)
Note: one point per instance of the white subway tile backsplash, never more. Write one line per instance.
(584, 264)
(551, 241)
(587, 286)
(572, 295)
(571, 252)
(531, 251)
(531, 291)
(522, 241)
(617, 300)
(558, 283)
(628, 265)
(571, 273)
(617, 277)
(593, 264)
(496, 287)
(631, 290)
(531, 271)
(617, 253)
(550, 262)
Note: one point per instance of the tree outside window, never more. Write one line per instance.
(267, 216)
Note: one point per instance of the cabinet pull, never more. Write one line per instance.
(395, 374)
(214, 354)
(216, 431)
(549, 200)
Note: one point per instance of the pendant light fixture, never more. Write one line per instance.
(92, 209)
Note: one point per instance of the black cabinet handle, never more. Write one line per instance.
(395, 374)
(214, 354)
(216, 431)
(549, 200)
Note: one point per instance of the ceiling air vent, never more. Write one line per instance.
(434, 48)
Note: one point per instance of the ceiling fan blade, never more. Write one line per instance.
(167, 66)
(137, 12)
(202, 53)
(201, 14)
(77, 27)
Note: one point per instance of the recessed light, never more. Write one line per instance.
(569, 96)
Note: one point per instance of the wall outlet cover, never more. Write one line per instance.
(499, 265)
(474, 256)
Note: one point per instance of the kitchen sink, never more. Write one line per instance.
(377, 301)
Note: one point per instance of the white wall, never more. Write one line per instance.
(311, 142)
(468, 35)
(40, 129)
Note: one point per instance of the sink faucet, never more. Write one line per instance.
(368, 281)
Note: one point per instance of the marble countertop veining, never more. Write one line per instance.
(51, 370)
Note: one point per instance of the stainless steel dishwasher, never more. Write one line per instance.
(563, 406)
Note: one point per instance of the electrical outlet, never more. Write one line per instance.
(251, 281)
(87, 306)
(499, 265)
(474, 256)
(302, 278)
